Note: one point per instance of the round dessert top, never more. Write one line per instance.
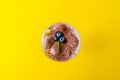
(60, 42)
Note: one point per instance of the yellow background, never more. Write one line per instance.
(23, 22)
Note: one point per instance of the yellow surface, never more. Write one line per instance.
(23, 22)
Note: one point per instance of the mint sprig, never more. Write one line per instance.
(59, 46)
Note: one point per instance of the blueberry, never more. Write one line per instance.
(59, 34)
(62, 39)
(56, 38)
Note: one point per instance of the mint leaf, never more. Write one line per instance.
(59, 46)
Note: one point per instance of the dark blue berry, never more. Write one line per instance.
(59, 34)
(56, 38)
(62, 39)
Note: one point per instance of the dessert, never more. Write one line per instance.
(60, 42)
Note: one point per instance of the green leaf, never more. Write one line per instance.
(59, 46)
